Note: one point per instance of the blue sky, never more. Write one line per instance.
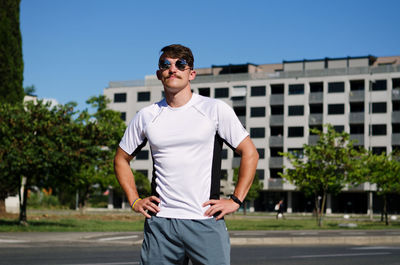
(73, 48)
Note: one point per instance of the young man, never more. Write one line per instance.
(184, 217)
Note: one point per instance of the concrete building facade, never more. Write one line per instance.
(279, 103)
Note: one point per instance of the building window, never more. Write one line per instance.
(395, 127)
(274, 151)
(257, 112)
(276, 130)
(297, 152)
(379, 85)
(222, 92)
(143, 96)
(357, 85)
(145, 172)
(378, 129)
(257, 91)
(316, 108)
(119, 97)
(224, 154)
(356, 128)
(336, 87)
(396, 105)
(296, 89)
(316, 87)
(379, 107)
(297, 110)
(261, 153)
(335, 109)
(356, 107)
(274, 173)
(257, 132)
(377, 150)
(260, 173)
(277, 89)
(240, 111)
(277, 109)
(338, 128)
(396, 83)
(143, 155)
(123, 116)
(204, 91)
(224, 174)
(297, 131)
(311, 127)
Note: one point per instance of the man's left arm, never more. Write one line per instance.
(247, 169)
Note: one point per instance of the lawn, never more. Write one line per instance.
(118, 221)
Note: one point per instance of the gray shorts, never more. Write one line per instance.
(174, 241)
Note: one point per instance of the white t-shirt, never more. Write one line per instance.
(186, 144)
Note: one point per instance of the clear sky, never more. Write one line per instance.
(73, 48)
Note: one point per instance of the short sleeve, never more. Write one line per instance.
(229, 126)
(134, 138)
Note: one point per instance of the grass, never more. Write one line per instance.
(119, 221)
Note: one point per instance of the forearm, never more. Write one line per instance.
(125, 178)
(247, 169)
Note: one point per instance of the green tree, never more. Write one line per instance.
(254, 191)
(324, 168)
(384, 171)
(11, 62)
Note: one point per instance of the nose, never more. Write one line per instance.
(172, 68)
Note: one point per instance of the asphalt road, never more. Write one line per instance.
(84, 254)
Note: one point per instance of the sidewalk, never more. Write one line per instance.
(311, 237)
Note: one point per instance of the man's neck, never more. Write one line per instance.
(178, 99)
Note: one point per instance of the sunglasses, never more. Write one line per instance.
(164, 64)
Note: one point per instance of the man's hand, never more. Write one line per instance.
(223, 205)
(147, 204)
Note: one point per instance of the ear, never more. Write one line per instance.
(158, 73)
(192, 75)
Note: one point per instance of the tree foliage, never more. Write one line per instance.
(11, 62)
(324, 168)
(254, 190)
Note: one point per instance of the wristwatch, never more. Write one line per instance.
(236, 199)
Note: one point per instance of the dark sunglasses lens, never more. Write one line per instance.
(181, 64)
(164, 64)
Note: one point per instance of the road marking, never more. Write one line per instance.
(340, 255)
(374, 248)
(117, 238)
(12, 241)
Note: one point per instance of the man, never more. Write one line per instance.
(184, 217)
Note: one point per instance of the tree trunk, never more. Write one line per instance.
(244, 207)
(321, 213)
(23, 198)
(385, 209)
(2, 206)
(316, 201)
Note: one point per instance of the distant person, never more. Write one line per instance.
(279, 210)
(185, 131)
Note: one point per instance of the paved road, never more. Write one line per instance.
(100, 254)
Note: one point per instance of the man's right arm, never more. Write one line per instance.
(125, 177)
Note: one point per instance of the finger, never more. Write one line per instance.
(210, 202)
(155, 198)
(220, 216)
(145, 214)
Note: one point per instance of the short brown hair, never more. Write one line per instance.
(178, 51)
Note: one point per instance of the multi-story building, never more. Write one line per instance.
(279, 103)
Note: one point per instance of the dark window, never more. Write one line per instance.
(316, 108)
(257, 132)
(143, 96)
(395, 127)
(336, 87)
(275, 151)
(356, 107)
(379, 85)
(222, 92)
(338, 128)
(378, 129)
(224, 153)
(277, 109)
(377, 150)
(396, 83)
(356, 128)
(334, 109)
(296, 89)
(274, 173)
(204, 91)
(318, 127)
(257, 91)
(240, 111)
(119, 97)
(379, 107)
(261, 152)
(276, 130)
(123, 116)
(396, 105)
(297, 152)
(297, 110)
(277, 89)
(224, 174)
(396, 149)
(357, 85)
(316, 87)
(143, 171)
(257, 112)
(143, 155)
(296, 131)
(260, 173)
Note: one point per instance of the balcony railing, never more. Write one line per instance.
(276, 99)
(276, 120)
(276, 141)
(316, 97)
(395, 116)
(358, 138)
(356, 117)
(275, 162)
(315, 119)
(357, 96)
